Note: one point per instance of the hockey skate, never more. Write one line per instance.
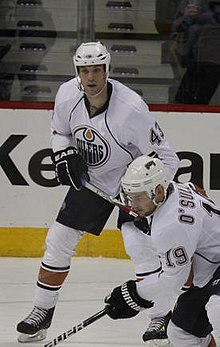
(156, 332)
(34, 327)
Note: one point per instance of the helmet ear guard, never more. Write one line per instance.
(144, 174)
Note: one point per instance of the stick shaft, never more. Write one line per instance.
(65, 335)
(105, 196)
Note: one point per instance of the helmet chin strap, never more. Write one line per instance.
(158, 204)
(94, 96)
(87, 94)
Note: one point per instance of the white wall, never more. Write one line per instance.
(26, 203)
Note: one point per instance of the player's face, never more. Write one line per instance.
(141, 203)
(93, 78)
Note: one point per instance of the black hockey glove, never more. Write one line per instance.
(70, 167)
(143, 225)
(124, 301)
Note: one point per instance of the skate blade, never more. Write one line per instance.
(39, 336)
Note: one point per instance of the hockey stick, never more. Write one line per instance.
(62, 337)
(107, 197)
(142, 226)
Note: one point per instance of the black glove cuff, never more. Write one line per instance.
(62, 154)
(143, 225)
(129, 289)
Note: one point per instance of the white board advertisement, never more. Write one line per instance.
(28, 195)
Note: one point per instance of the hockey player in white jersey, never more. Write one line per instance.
(185, 229)
(99, 126)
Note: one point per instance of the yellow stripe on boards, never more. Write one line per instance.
(29, 242)
(22, 242)
(108, 244)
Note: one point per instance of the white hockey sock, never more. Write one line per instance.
(45, 298)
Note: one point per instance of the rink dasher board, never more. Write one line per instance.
(30, 206)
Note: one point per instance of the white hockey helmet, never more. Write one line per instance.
(91, 53)
(144, 174)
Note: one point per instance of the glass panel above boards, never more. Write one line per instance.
(168, 51)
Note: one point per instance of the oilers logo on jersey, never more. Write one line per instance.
(92, 146)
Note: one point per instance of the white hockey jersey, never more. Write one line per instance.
(185, 230)
(109, 141)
